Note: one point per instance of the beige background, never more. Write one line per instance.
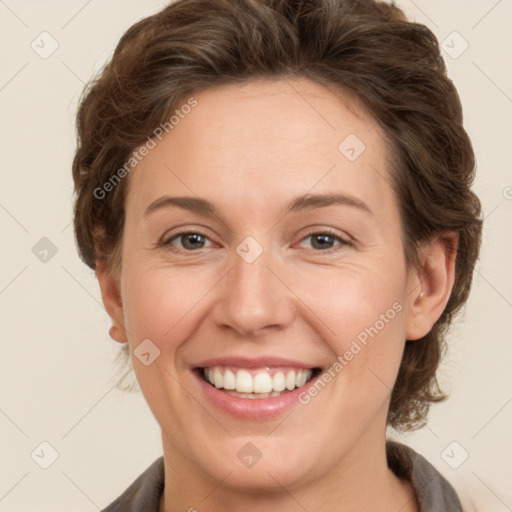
(56, 378)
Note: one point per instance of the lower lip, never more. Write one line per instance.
(252, 409)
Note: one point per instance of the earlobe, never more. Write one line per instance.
(431, 284)
(117, 333)
(110, 294)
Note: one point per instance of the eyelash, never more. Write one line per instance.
(332, 234)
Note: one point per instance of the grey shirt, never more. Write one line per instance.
(434, 492)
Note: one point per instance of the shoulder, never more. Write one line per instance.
(144, 494)
(434, 492)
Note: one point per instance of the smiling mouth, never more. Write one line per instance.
(257, 383)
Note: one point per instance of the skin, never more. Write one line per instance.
(250, 150)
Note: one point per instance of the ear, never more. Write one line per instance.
(111, 296)
(430, 285)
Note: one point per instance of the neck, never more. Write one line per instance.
(361, 481)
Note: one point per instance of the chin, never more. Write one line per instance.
(258, 464)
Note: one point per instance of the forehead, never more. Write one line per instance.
(263, 142)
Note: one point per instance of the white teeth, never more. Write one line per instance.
(217, 378)
(290, 381)
(229, 380)
(244, 382)
(263, 384)
(279, 382)
(253, 396)
(301, 379)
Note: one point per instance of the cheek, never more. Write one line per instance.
(161, 306)
(158, 300)
(351, 299)
(361, 315)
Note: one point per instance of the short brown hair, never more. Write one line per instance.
(368, 48)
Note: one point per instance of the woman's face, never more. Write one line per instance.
(300, 271)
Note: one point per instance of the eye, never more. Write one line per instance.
(189, 241)
(323, 241)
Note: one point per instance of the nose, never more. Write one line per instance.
(254, 298)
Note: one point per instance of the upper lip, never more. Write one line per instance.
(253, 362)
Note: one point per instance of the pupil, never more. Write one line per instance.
(323, 238)
(194, 237)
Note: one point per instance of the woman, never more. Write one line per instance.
(275, 196)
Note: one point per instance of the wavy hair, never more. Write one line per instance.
(362, 47)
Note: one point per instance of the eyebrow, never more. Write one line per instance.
(301, 203)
